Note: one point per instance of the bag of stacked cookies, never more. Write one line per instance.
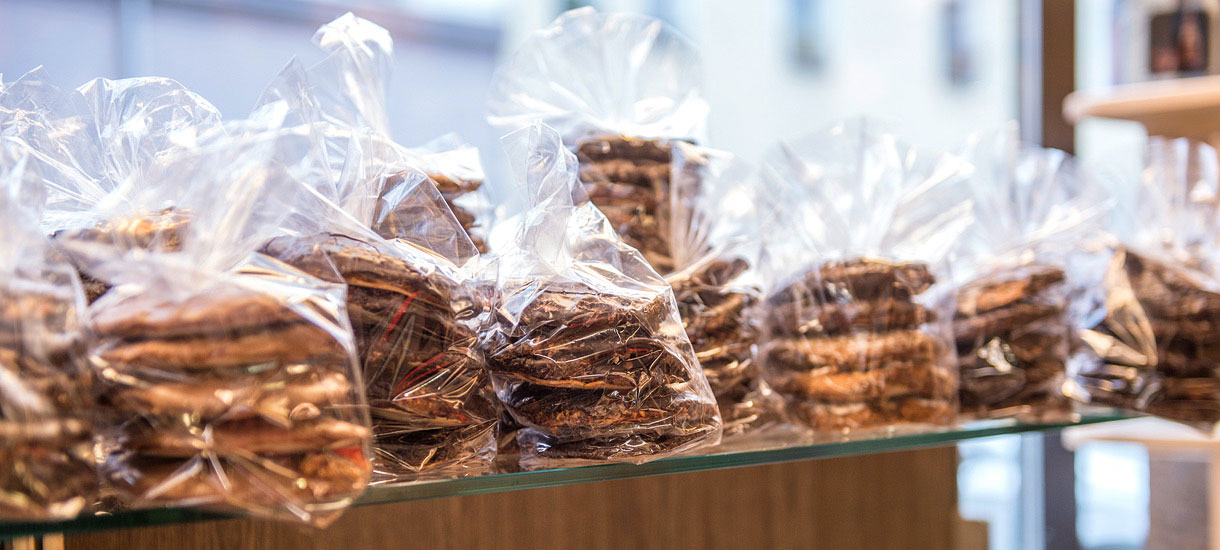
(349, 89)
(621, 89)
(857, 315)
(1156, 330)
(587, 351)
(46, 401)
(1034, 211)
(411, 297)
(229, 376)
(91, 141)
(714, 216)
(630, 124)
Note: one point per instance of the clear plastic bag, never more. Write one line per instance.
(229, 377)
(621, 89)
(857, 329)
(91, 142)
(412, 297)
(348, 89)
(718, 288)
(1156, 327)
(46, 400)
(1034, 211)
(587, 351)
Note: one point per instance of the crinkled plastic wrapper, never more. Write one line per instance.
(621, 89)
(718, 288)
(1012, 324)
(91, 142)
(414, 307)
(857, 329)
(348, 90)
(587, 351)
(1156, 331)
(230, 377)
(46, 401)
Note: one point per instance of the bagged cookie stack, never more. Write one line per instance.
(1156, 328)
(46, 401)
(1034, 213)
(587, 351)
(621, 120)
(91, 142)
(230, 377)
(857, 333)
(412, 298)
(637, 166)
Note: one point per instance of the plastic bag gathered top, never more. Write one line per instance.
(46, 401)
(622, 118)
(91, 142)
(857, 326)
(587, 351)
(229, 377)
(349, 90)
(1157, 327)
(1033, 214)
(414, 305)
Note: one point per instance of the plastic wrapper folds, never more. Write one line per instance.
(46, 416)
(377, 224)
(1155, 330)
(229, 377)
(621, 89)
(90, 145)
(718, 289)
(857, 324)
(348, 89)
(1034, 214)
(587, 351)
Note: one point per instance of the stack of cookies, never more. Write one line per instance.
(1160, 342)
(849, 346)
(1012, 342)
(713, 311)
(594, 377)
(45, 423)
(628, 179)
(231, 397)
(415, 325)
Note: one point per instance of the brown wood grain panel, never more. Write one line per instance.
(901, 500)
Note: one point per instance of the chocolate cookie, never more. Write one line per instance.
(890, 380)
(571, 415)
(251, 436)
(859, 351)
(608, 364)
(835, 318)
(857, 279)
(1006, 287)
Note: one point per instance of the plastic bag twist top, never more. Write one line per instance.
(855, 190)
(376, 187)
(1029, 200)
(602, 73)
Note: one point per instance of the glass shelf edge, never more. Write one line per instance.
(516, 481)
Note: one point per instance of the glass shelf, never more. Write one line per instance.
(567, 476)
